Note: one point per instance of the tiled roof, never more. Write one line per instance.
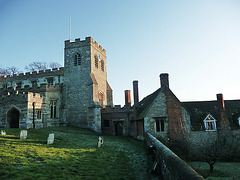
(145, 103)
(199, 109)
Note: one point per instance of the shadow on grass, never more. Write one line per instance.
(99, 164)
(9, 137)
(16, 140)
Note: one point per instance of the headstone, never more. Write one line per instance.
(23, 134)
(50, 138)
(3, 132)
(100, 141)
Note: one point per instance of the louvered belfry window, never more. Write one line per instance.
(77, 59)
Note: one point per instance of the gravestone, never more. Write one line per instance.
(3, 132)
(23, 134)
(100, 141)
(50, 138)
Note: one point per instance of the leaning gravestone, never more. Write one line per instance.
(3, 132)
(50, 138)
(23, 134)
(100, 141)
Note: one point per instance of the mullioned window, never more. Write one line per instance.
(77, 59)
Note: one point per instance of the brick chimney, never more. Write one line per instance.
(127, 98)
(220, 102)
(135, 93)
(164, 80)
(222, 113)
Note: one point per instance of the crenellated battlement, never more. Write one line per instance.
(16, 96)
(34, 74)
(37, 89)
(88, 40)
(117, 109)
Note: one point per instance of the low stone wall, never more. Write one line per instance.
(171, 166)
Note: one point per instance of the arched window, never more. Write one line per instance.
(77, 59)
(100, 97)
(96, 61)
(53, 106)
(102, 65)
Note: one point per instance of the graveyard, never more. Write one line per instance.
(72, 153)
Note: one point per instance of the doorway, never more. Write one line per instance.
(13, 118)
(119, 128)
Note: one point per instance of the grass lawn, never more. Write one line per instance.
(73, 155)
(222, 170)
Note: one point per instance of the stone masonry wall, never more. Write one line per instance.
(78, 82)
(157, 109)
(13, 101)
(99, 73)
(38, 104)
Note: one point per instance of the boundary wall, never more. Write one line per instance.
(170, 165)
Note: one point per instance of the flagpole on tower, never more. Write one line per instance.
(70, 28)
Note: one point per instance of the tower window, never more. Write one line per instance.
(96, 61)
(100, 98)
(102, 66)
(77, 59)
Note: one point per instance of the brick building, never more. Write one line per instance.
(160, 113)
(163, 115)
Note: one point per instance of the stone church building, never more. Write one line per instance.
(72, 95)
(79, 95)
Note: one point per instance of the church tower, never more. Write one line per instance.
(86, 87)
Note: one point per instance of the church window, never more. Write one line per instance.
(160, 122)
(39, 114)
(50, 81)
(96, 61)
(102, 66)
(100, 97)
(77, 59)
(53, 109)
(210, 123)
(19, 84)
(34, 83)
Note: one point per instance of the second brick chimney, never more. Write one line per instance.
(127, 98)
(222, 113)
(164, 80)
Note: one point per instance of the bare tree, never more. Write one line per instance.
(9, 71)
(36, 66)
(3, 72)
(211, 152)
(12, 70)
(223, 147)
(53, 65)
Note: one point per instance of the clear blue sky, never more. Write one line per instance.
(196, 42)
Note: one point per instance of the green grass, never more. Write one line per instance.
(73, 155)
(222, 170)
